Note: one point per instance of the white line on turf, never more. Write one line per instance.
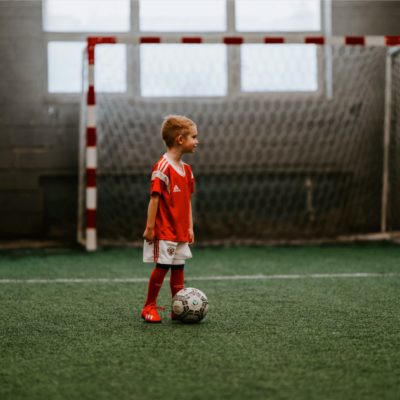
(208, 278)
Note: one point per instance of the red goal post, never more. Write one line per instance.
(89, 239)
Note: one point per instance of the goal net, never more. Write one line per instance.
(276, 163)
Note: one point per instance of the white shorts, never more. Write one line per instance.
(166, 252)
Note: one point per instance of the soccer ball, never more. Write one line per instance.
(190, 305)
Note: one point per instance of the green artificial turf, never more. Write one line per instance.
(328, 338)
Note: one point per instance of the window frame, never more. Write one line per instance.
(294, 94)
(186, 32)
(290, 32)
(87, 32)
(233, 58)
(81, 36)
(325, 23)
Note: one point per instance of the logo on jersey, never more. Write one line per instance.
(176, 189)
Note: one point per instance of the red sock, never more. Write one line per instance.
(177, 281)
(155, 283)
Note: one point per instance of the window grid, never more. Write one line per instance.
(133, 71)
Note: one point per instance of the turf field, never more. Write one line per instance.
(284, 323)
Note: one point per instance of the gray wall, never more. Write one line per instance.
(39, 137)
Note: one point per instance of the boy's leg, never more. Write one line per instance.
(177, 279)
(177, 282)
(149, 312)
(177, 269)
(156, 280)
(157, 251)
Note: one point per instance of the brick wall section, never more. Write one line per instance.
(38, 137)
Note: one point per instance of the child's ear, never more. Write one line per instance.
(179, 139)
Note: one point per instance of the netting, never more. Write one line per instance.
(271, 165)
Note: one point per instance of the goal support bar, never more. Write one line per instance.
(250, 38)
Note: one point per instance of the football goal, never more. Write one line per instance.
(299, 136)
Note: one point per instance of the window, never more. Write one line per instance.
(64, 58)
(190, 70)
(277, 68)
(182, 15)
(64, 71)
(65, 67)
(183, 70)
(175, 70)
(278, 15)
(86, 15)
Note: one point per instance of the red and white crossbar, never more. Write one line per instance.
(252, 38)
(92, 42)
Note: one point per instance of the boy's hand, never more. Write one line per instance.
(148, 235)
(191, 236)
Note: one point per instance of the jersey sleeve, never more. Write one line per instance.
(159, 180)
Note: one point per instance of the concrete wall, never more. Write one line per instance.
(39, 136)
(366, 17)
(38, 139)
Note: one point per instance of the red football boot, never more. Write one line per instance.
(150, 313)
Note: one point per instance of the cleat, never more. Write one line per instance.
(150, 313)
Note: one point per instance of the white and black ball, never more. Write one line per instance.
(190, 305)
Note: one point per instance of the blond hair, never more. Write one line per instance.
(175, 125)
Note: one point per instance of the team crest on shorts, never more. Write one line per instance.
(171, 251)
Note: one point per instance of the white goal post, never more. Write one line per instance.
(293, 167)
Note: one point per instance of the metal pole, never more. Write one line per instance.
(82, 145)
(327, 25)
(386, 138)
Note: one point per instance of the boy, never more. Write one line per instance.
(169, 227)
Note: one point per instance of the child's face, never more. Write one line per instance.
(189, 142)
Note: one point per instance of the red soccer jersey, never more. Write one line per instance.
(174, 186)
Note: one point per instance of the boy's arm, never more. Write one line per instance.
(148, 234)
(191, 232)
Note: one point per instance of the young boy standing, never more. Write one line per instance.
(169, 227)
